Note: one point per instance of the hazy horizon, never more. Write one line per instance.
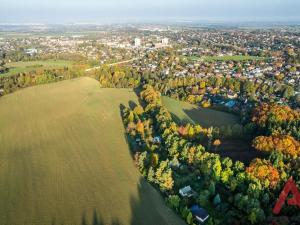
(93, 11)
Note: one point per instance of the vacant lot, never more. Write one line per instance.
(18, 67)
(64, 159)
(185, 112)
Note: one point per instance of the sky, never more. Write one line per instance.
(118, 11)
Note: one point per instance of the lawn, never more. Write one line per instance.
(64, 159)
(18, 67)
(225, 58)
(185, 112)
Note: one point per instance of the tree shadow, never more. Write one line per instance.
(148, 207)
(179, 121)
(98, 220)
(132, 104)
(238, 150)
(210, 117)
(122, 108)
(137, 90)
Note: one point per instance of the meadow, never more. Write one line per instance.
(189, 113)
(64, 159)
(18, 67)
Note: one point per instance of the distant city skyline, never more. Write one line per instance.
(122, 11)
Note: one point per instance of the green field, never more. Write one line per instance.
(225, 58)
(64, 159)
(18, 67)
(185, 112)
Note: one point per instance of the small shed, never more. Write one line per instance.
(199, 213)
(186, 191)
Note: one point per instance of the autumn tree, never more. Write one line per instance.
(140, 128)
(138, 110)
(280, 143)
(272, 113)
(264, 171)
(216, 143)
(164, 177)
(150, 95)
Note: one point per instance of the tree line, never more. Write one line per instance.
(169, 159)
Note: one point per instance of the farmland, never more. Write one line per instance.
(64, 159)
(18, 67)
(189, 113)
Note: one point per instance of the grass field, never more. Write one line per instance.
(185, 112)
(225, 58)
(64, 159)
(18, 67)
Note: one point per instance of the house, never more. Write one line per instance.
(230, 104)
(186, 191)
(199, 213)
(231, 95)
(156, 140)
(31, 51)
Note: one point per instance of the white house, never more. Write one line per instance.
(186, 191)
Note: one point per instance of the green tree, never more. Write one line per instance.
(217, 168)
(189, 218)
(184, 212)
(288, 92)
(151, 175)
(217, 200)
(204, 197)
(173, 201)
(142, 162)
(130, 116)
(256, 215)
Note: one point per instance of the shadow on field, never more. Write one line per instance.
(132, 104)
(122, 107)
(238, 149)
(180, 121)
(147, 208)
(97, 220)
(209, 117)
